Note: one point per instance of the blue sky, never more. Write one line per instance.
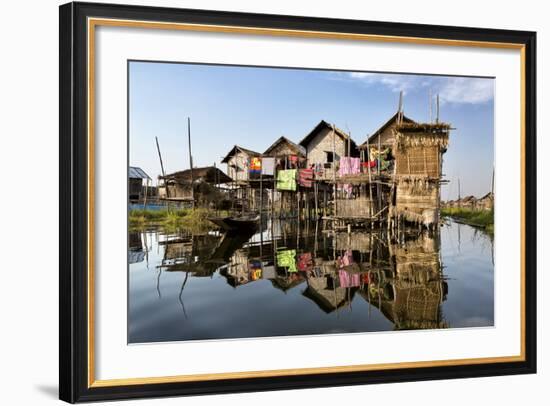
(252, 107)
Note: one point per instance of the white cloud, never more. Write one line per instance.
(466, 90)
(394, 82)
(459, 90)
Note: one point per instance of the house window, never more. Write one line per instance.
(329, 157)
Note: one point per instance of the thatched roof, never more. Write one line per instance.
(208, 174)
(413, 127)
(322, 125)
(237, 149)
(297, 149)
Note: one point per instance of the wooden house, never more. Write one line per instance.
(325, 144)
(385, 135)
(285, 150)
(136, 187)
(237, 160)
(186, 184)
(418, 151)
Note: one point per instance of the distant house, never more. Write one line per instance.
(486, 202)
(136, 187)
(467, 202)
(237, 161)
(177, 185)
(385, 134)
(323, 149)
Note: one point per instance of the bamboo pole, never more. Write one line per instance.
(437, 110)
(378, 192)
(162, 168)
(370, 182)
(261, 197)
(334, 187)
(191, 162)
(145, 197)
(316, 190)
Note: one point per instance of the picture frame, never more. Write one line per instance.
(77, 286)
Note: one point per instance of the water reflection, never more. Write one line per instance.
(294, 279)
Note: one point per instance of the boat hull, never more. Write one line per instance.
(235, 223)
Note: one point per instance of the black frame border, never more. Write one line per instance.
(73, 198)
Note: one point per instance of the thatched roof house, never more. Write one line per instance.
(207, 174)
(177, 185)
(385, 133)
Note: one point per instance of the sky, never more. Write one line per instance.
(253, 106)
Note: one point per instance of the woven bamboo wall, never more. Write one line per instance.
(418, 160)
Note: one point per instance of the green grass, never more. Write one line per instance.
(479, 218)
(188, 219)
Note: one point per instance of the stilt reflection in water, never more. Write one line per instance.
(287, 279)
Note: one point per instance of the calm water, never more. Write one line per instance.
(289, 281)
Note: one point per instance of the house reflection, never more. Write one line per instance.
(136, 252)
(410, 292)
(403, 280)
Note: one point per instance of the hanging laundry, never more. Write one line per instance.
(268, 166)
(255, 166)
(369, 164)
(349, 166)
(286, 179)
(380, 158)
(305, 261)
(255, 270)
(383, 164)
(287, 259)
(255, 274)
(346, 259)
(305, 177)
(348, 279)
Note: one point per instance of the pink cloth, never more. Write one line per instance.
(349, 166)
(349, 280)
(346, 259)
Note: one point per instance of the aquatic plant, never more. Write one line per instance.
(479, 218)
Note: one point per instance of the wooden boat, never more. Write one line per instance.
(235, 223)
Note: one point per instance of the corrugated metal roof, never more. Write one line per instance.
(137, 173)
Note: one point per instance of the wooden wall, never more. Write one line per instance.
(237, 166)
(323, 142)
